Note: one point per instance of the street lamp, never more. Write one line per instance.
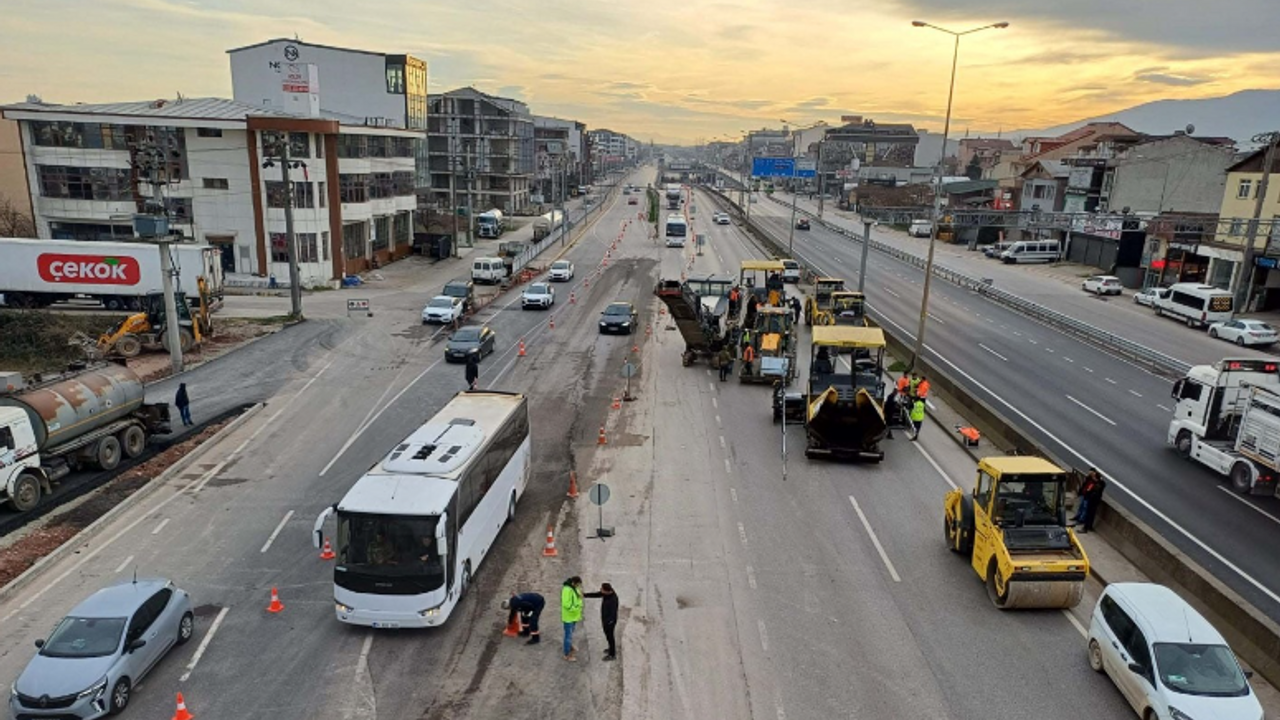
(937, 179)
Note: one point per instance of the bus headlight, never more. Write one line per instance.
(430, 612)
(342, 608)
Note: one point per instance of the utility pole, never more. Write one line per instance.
(795, 192)
(822, 177)
(471, 241)
(152, 162)
(280, 149)
(1260, 198)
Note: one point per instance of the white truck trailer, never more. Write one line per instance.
(38, 273)
(1227, 417)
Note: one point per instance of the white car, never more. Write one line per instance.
(1102, 285)
(538, 295)
(1165, 658)
(920, 228)
(1148, 296)
(442, 309)
(722, 218)
(1244, 332)
(561, 271)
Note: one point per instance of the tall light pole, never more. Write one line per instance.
(937, 176)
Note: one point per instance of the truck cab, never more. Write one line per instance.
(19, 452)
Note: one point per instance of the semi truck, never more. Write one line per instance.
(38, 273)
(491, 224)
(674, 194)
(1227, 417)
(92, 418)
(547, 224)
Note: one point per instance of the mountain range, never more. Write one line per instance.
(1239, 116)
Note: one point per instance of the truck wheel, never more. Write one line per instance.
(1183, 444)
(129, 345)
(133, 440)
(113, 303)
(108, 453)
(26, 493)
(1242, 478)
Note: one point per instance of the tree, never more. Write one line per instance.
(974, 169)
(14, 222)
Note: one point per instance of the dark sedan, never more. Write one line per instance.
(477, 340)
(619, 317)
(802, 224)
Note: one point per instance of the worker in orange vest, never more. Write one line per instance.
(922, 389)
(903, 383)
(748, 357)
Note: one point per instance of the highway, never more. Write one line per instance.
(1087, 407)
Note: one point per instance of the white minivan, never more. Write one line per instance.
(790, 271)
(1165, 658)
(1196, 304)
(1032, 251)
(488, 270)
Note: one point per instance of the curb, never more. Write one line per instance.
(74, 543)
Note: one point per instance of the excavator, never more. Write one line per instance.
(147, 330)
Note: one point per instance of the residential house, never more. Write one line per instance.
(1239, 202)
(985, 151)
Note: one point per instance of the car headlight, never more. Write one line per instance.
(342, 608)
(95, 691)
(474, 350)
(1176, 714)
(603, 324)
(626, 323)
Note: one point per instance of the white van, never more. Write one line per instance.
(790, 271)
(1165, 658)
(1196, 303)
(1030, 251)
(488, 270)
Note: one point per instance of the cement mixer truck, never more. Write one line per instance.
(89, 419)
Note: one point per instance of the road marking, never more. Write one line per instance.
(782, 712)
(764, 635)
(1079, 628)
(267, 545)
(993, 352)
(1048, 349)
(1163, 408)
(893, 573)
(1064, 357)
(1033, 342)
(936, 466)
(1234, 496)
(727, 467)
(1113, 382)
(937, 319)
(733, 493)
(1015, 332)
(204, 644)
(715, 405)
(742, 534)
(893, 293)
(1135, 393)
(751, 577)
(722, 442)
(271, 422)
(124, 564)
(160, 526)
(1095, 412)
(717, 418)
(713, 386)
(1087, 369)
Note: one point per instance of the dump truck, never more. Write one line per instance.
(90, 418)
(1013, 529)
(817, 309)
(840, 408)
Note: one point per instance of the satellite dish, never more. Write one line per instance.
(1190, 128)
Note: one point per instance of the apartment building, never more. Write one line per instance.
(485, 139)
(559, 156)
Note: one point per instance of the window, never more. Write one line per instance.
(6, 438)
(353, 188)
(402, 147)
(382, 233)
(324, 246)
(402, 184)
(209, 132)
(322, 194)
(1189, 390)
(403, 225)
(1243, 190)
(302, 195)
(395, 77)
(380, 147)
(178, 209)
(279, 247)
(381, 186)
(299, 143)
(353, 237)
(306, 245)
(353, 146)
(80, 183)
(983, 492)
(216, 184)
(79, 135)
(1237, 226)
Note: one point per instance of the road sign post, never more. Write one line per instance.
(629, 369)
(359, 305)
(599, 495)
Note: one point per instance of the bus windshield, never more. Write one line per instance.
(394, 554)
(676, 228)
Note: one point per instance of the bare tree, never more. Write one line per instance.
(14, 222)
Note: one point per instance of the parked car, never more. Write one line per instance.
(722, 218)
(1148, 296)
(469, 340)
(104, 647)
(1102, 285)
(538, 295)
(920, 228)
(561, 271)
(1165, 658)
(1244, 332)
(488, 270)
(442, 309)
(461, 288)
(996, 250)
(802, 224)
(618, 317)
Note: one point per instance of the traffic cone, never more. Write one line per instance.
(550, 549)
(573, 484)
(617, 404)
(275, 606)
(635, 349)
(587, 283)
(605, 261)
(181, 713)
(601, 440)
(515, 627)
(327, 552)
(572, 299)
(521, 353)
(552, 322)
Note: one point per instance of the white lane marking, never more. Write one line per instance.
(1087, 369)
(782, 712)
(937, 319)
(1015, 332)
(993, 352)
(936, 466)
(124, 564)
(893, 573)
(751, 577)
(1232, 494)
(722, 442)
(272, 538)
(1064, 357)
(1033, 342)
(764, 635)
(727, 467)
(713, 386)
(204, 644)
(1095, 412)
(1079, 628)
(929, 404)
(742, 534)
(1164, 408)
(717, 418)
(715, 404)
(1109, 477)
(1135, 393)
(1113, 382)
(1048, 350)
(160, 526)
(893, 293)
(733, 493)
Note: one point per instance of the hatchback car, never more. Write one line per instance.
(1148, 296)
(90, 663)
(1244, 332)
(561, 271)
(442, 309)
(470, 340)
(802, 224)
(1102, 285)
(722, 218)
(538, 295)
(920, 228)
(632, 201)
(618, 317)
(1165, 658)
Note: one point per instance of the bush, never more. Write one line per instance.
(34, 341)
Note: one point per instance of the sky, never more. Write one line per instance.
(680, 71)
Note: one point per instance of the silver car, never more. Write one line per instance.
(89, 664)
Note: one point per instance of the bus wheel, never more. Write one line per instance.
(511, 508)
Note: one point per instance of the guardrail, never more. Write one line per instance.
(534, 249)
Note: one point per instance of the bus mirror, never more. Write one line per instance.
(318, 535)
(442, 538)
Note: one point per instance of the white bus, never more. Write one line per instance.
(414, 529)
(1195, 303)
(677, 229)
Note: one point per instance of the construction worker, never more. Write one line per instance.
(922, 389)
(904, 384)
(748, 358)
(774, 298)
(796, 309)
(529, 605)
(917, 418)
(915, 383)
(570, 613)
(725, 362)
(735, 296)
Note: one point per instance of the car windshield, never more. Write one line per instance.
(80, 637)
(1193, 669)
(617, 310)
(560, 265)
(440, 302)
(390, 546)
(1037, 496)
(467, 334)
(538, 289)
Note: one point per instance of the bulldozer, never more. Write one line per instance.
(1013, 529)
(817, 310)
(147, 330)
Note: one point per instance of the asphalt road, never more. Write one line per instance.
(1089, 408)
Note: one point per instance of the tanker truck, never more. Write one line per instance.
(88, 419)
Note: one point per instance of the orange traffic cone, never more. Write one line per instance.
(550, 549)
(605, 261)
(515, 627)
(521, 353)
(327, 552)
(182, 713)
(275, 606)
(617, 404)
(601, 440)
(587, 283)
(552, 323)
(573, 484)
(635, 349)
(572, 299)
